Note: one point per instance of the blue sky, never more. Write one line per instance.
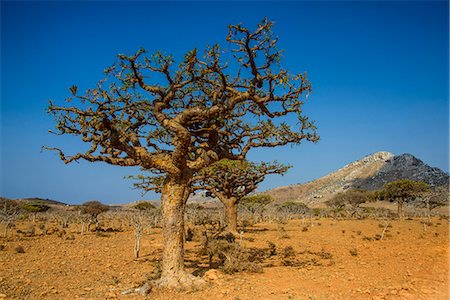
(379, 72)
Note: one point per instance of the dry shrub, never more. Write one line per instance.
(353, 252)
(283, 233)
(272, 248)
(189, 235)
(289, 258)
(238, 259)
(287, 252)
(19, 249)
(232, 257)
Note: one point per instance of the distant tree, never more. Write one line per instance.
(336, 204)
(290, 209)
(179, 120)
(350, 201)
(140, 220)
(434, 198)
(230, 181)
(93, 209)
(402, 191)
(9, 212)
(256, 205)
(293, 207)
(34, 207)
(144, 205)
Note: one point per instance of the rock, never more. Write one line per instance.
(212, 275)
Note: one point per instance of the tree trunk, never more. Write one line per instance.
(231, 215)
(400, 210)
(6, 230)
(82, 228)
(137, 245)
(174, 197)
(429, 211)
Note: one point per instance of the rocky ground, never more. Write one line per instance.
(335, 260)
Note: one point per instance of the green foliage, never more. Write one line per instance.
(144, 205)
(236, 178)
(259, 200)
(293, 207)
(93, 208)
(352, 198)
(404, 190)
(34, 207)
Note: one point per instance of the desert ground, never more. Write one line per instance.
(329, 259)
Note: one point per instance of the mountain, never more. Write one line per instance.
(370, 173)
(46, 201)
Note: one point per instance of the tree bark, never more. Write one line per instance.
(231, 215)
(400, 210)
(173, 275)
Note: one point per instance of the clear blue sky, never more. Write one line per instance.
(379, 72)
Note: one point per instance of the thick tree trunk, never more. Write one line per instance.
(231, 215)
(174, 197)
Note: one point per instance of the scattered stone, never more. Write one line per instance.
(212, 275)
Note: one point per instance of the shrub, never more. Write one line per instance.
(353, 252)
(189, 235)
(233, 258)
(272, 248)
(293, 207)
(35, 207)
(288, 252)
(93, 208)
(256, 202)
(19, 249)
(144, 205)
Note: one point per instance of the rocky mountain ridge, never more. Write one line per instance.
(369, 173)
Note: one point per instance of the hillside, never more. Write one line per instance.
(41, 200)
(370, 172)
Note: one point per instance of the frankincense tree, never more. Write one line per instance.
(177, 120)
(231, 180)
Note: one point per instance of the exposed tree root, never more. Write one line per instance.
(143, 290)
(184, 282)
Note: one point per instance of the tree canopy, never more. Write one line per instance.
(176, 120)
(151, 113)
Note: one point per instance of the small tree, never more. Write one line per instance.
(139, 219)
(34, 208)
(179, 120)
(434, 198)
(350, 200)
(336, 204)
(256, 205)
(93, 209)
(291, 208)
(403, 191)
(230, 181)
(9, 212)
(144, 205)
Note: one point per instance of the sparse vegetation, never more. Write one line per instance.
(402, 191)
(19, 249)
